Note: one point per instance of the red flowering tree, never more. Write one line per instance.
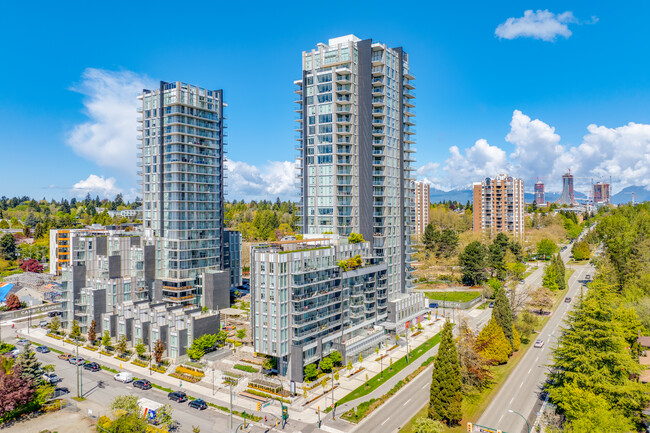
(31, 265)
(15, 391)
(13, 303)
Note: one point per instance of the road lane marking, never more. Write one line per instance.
(407, 402)
(385, 421)
(521, 384)
(530, 369)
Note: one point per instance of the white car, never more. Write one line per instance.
(539, 343)
(124, 377)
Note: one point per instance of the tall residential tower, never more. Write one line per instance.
(422, 205)
(499, 206)
(182, 146)
(355, 148)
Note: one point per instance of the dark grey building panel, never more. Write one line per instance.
(216, 290)
(365, 138)
(101, 245)
(114, 267)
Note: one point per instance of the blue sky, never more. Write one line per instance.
(519, 99)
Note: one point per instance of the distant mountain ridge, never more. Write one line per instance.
(464, 195)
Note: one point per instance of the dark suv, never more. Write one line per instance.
(178, 396)
(92, 366)
(142, 384)
(198, 404)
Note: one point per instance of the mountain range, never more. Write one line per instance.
(465, 195)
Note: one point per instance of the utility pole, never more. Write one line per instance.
(230, 382)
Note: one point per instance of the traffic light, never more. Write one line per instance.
(259, 406)
(469, 426)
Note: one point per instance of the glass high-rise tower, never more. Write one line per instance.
(182, 145)
(355, 148)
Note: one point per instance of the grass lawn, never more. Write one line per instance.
(453, 296)
(476, 403)
(377, 380)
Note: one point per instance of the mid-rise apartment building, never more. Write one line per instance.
(182, 159)
(422, 205)
(355, 142)
(307, 302)
(233, 256)
(499, 206)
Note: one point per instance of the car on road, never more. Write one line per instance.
(59, 391)
(51, 378)
(178, 396)
(539, 343)
(124, 377)
(143, 384)
(23, 342)
(43, 323)
(198, 404)
(567, 299)
(491, 304)
(76, 361)
(65, 356)
(15, 352)
(92, 366)
(588, 277)
(43, 349)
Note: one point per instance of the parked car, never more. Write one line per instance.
(15, 352)
(92, 366)
(23, 342)
(124, 377)
(588, 277)
(65, 356)
(76, 361)
(142, 384)
(198, 404)
(43, 349)
(567, 299)
(59, 391)
(43, 323)
(491, 304)
(539, 343)
(178, 396)
(53, 313)
(51, 378)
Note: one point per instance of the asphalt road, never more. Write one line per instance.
(522, 390)
(403, 406)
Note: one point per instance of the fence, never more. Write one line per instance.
(460, 305)
(27, 312)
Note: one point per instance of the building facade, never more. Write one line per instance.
(182, 154)
(499, 206)
(568, 196)
(601, 193)
(355, 148)
(306, 302)
(422, 205)
(540, 195)
(233, 256)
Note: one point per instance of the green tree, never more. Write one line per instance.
(106, 340)
(311, 371)
(29, 366)
(326, 365)
(55, 325)
(558, 263)
(336, 358)
(474, 369)
(241, 334)
(546, 248)
(549, 280)
(502, 313)
(266, 221)
(121, 344)
(580, 250)
(270, 363)
(349, 366)
(446, 397)
(140, 349)
(430, 237)
(8, 246)
(472, 262)
(355, 238)
(492, 344)
(427, 425)
(75, 334)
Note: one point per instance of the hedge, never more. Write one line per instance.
(246, 368)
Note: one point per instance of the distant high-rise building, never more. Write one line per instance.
(356, 155)
(540, 196)
(601, 193)
(182, 146)
(567, 196)
(499, 206)
(422, 204)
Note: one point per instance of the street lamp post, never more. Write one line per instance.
(524, 418)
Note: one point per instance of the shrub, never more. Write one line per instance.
(246, 368)
(181, 369)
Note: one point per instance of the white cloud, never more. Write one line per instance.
(622, 153)
(96, 185)
(108, 138)
(274, 179)
(540, 24)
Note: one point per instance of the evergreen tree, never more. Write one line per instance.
(472, 262)
(430, 237)
(560, 278)
(502, 313)
(549, 280)
(492, 344)
(594, 357)
(30, 367)
(75, 334)
(446, 397)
